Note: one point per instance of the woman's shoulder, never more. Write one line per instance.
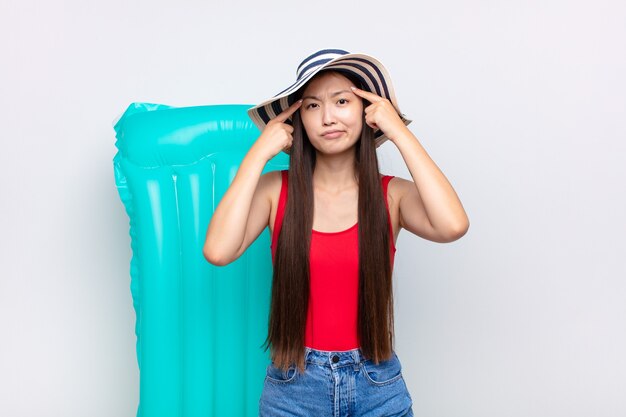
(274, 180)
(399, 187)
(274, 183)
(395, 186)
(389, 178)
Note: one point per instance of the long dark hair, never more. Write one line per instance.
(290, 287)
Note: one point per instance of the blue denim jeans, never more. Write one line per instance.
(336, 384)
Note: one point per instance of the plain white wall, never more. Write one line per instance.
(520, 103)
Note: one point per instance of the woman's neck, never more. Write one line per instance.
(334, 176)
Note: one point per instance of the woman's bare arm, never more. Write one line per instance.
(241, 214)
(429, 206)
(244, 211)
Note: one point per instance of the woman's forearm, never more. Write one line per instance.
(442, 204)
(227, 228)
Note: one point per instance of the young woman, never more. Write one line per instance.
(334, 220)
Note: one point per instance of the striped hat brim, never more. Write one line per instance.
(369, 70)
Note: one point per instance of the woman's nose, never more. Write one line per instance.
(328, 116)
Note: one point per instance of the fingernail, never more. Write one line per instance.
(352, 87)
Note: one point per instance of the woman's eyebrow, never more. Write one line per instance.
(332, 95)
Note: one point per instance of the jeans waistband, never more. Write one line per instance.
(333, 358)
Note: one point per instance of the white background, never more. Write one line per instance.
(520, 103)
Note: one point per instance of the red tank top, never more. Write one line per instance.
(332, 315)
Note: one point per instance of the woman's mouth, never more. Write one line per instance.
(333, 135)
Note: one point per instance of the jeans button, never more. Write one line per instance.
(335, 359)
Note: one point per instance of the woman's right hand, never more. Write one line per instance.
(276, 135)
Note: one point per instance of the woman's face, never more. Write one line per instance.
(330, 105)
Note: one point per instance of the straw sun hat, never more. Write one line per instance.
(366, 68)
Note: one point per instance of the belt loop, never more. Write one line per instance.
(357, 361)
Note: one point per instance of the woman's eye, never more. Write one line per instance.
(308, 106)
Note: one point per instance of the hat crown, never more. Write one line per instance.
(317, 59)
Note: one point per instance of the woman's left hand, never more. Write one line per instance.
(381, 114)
